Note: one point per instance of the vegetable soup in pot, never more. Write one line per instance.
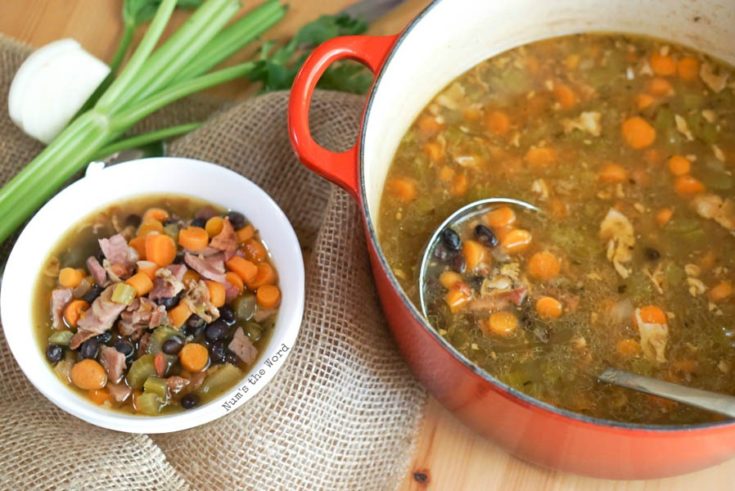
(157, 304)
(626, 144)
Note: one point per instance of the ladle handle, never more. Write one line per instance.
(712, 401)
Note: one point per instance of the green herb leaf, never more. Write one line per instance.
(277, 68)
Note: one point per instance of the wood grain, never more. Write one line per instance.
(448, 456)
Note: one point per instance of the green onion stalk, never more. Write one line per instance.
(151, 79)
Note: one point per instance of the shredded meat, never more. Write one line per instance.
(117, 251)
(713, 207)
(168, 282)
(618, 231)
(242, 347)
(99, 318)
(210, 267)
(59, 298)
(114, 363)
(97, 271)
(653, 338)
(141, 314)
(176, 384)
(197, 298)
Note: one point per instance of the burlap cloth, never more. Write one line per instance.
(343, 411)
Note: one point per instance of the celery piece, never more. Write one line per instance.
(123, 294)
(61, 338)
(220, 380)
(140, 370)
(156, 385)
(245, 307)
(149, 403)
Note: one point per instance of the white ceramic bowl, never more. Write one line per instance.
(171, 175)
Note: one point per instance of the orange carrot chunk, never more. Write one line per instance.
(70, 277)
(540, 156)
(500, 323)
(688, 186)
(497, 123)
(474, 254)
(246, 270)
(160, 249)
(74, 310)
(516, 240)
(255, 251)
(456, 299)
(235, 280)
(403, 189)
(565, 96)
(268, 296)
(157, 214)
(146, 227)
(638, 133)
(149, 268)
(138, 243)
(544, 266)
(266, 276)
(434, 151)
(500, 217)
(628, 348)
(679, 166)
(653, 314)
(179, 314)
(194, 357)
(88, 374)
(99, 396)
(663, 216)
(549, 308)
(660, 86)
(246, 233)
(449, 279)
(613, 173)
(217, 293)
(688, 68)
(721, 291)
(194, 239)
(663, 65)
(141, 282)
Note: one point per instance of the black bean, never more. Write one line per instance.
(218, 352)
(237, 219)
(92, 294)
(622, 288)
(179, 259)
(486, 236)
(172, 346)
(651, 254)
(105, 337)
(168, 302)
(133, 220)
(443, 254)
(232, 358)
(125, 347)
(198, 222)
(189, 401)
(170, 221)
(89, 348)
(458, 264)
(227, 315)
(217, 330)
(54, 353)
(476, 282)
(451, 239)
(195, 325)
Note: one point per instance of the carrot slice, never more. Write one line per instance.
(255, 251)
(70, 277)
(99, 396)
(460, 184)
(160, 249)
(179, 314)
(613, 173)
(402, 188)
(157, 214)
(234, 279)
(628, 348)
(88, 374)
(449, 279)
(266, 276)
(688, 186)
(500, 323)
(565, 96)
(549, 308)
(663, 65)
(150, 226)
(653, 314)
(141, 282)
(246, 233)
(268, 296)
(428, 125)
(663, 216)
(720, 291)
(217, 293)
(638, 133)
(688, 68)
(74, 310)
(544, 266)
(540, 156)
(434, 151)
(194, 239)
(456, 299)
(246, 270)
(474, 254)
(214, 226)
(516, 240)
(660, 86)
(194, 357)
(138, 243)
(497, 123)
(679, 165)
(500, 217)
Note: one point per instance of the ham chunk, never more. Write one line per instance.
(168, 282)
(114, 363)
(141, 314)
(225, 241)
(242, 347)
(117, 251)
(97, 271)
(119, 392)
(99, 318)
(59, 298)
(210, 267)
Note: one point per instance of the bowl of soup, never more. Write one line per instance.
(616, 119)
(154, 295)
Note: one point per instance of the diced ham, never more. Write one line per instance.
(145, 340)
(98, 318)
(141, 314)
(117, 251)
(176, 384)
(119, 392)
(168, 282)
(97, 271)
(231, 292)
(225, 241)
(59, 298)
(210, 267)
(114, 363)
(242, 347)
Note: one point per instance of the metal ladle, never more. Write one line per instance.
(711, 401)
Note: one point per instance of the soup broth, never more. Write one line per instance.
(626, 144)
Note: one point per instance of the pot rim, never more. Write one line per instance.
(504, 389)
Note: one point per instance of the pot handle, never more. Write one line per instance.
(338, 167)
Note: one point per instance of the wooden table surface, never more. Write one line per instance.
(448, 455)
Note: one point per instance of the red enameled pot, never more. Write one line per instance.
(447, 39)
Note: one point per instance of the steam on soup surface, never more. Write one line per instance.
(627, 145)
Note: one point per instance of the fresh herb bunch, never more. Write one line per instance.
(277, 67)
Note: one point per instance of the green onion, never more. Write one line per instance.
(153, 78)
(123, 294)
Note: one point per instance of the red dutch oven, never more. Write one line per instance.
(447, 39)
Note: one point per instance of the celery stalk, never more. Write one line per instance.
(145, 139)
